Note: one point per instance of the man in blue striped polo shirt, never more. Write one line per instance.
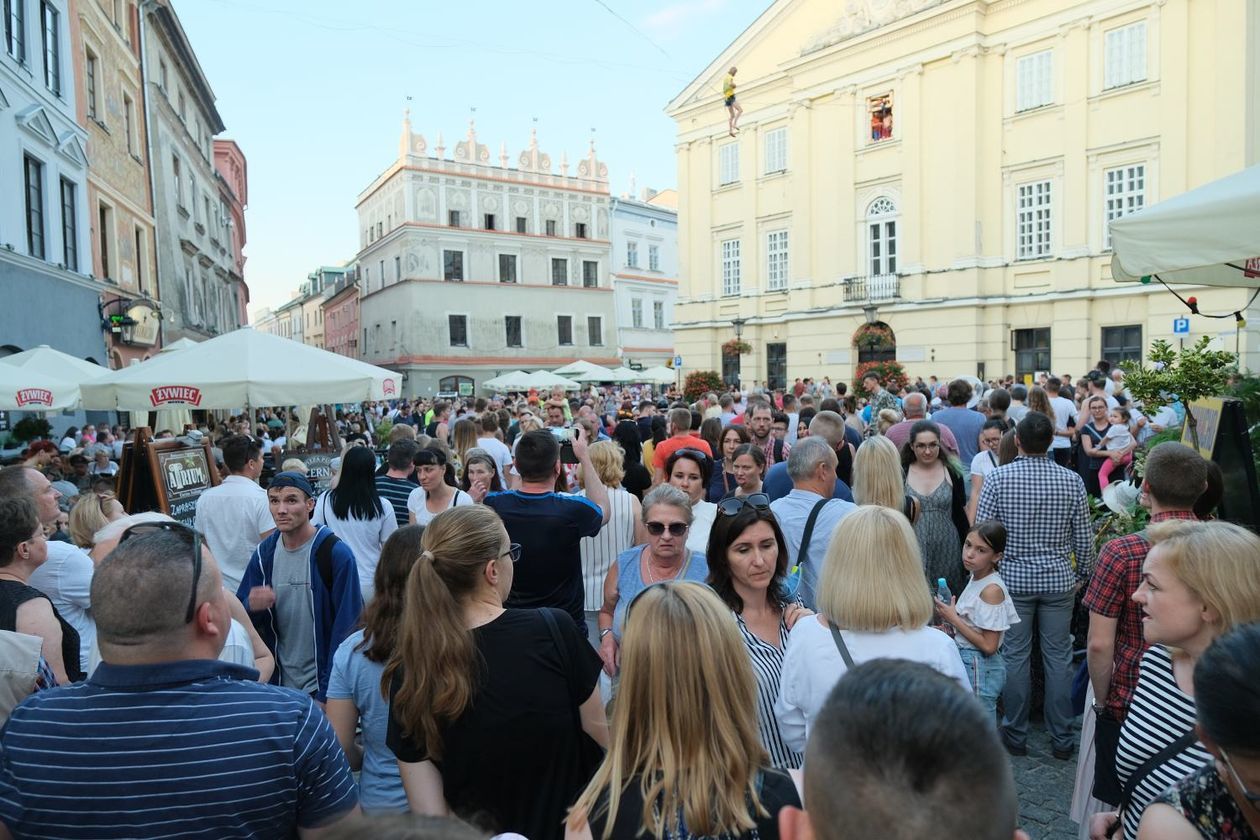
(164, 740)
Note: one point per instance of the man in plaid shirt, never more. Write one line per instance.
(1034, 497)
(1174, 478)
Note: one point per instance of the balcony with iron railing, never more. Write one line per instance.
(876, 287)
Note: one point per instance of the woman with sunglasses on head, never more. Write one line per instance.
(748, 569)
(936, 484)
(492, 711)
(24, 609)
(1222, 798)
(667, 518)
(434, 494)
(689, 470)
(685, 761)
(872, 604)
(1199, 581)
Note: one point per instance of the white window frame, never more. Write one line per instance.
(776, 151)
(636, 313)
(777, 256)
(572, 337)
(1124, 55)
(1034, 80)
(881, 236)
(632, 253)
(450, 339)
(658, 314)
(597, 320)
(654, 257)
(729, 250)
(1033, 219)
(728, 164)
(92, 84)
(1124, 192)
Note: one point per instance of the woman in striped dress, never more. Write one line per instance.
(1199, 580)
(622, 530)
(747, 567)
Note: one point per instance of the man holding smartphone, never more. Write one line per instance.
(549, 526)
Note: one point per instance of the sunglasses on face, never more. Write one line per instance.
(734, 504)
(194, 539)
(676, 529)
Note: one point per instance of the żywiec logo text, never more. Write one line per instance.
(180, 477)
(175, 394)
(34, 396)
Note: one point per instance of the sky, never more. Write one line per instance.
(314, 92)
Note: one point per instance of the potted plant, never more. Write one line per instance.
(701, 382)
(890, 372)
(1190, 373)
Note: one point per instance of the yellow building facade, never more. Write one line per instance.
(954, 164)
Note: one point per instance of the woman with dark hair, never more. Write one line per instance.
(803, 419)
(354, 687)
(491, 710)
(357, 514)
(936, 483)
(435, 494)
(480, 474)
(711, 433)
(748, 560)
(986, 460)
(658, 435)
(689, 470)
(637, 479)
(722, 482)
(1222, 798)
(749, 468)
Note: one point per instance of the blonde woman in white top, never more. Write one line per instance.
(623, 529)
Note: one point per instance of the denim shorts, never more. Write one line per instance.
(987, 675)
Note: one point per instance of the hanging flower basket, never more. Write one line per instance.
(875, 337)
(735, 347)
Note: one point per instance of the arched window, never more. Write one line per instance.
(881, 240)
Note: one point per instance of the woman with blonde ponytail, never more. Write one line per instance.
(686, 759)
(492, 710)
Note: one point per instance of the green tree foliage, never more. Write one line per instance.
(1191, 373)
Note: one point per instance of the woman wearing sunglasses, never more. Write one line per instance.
(690, 470)
(491, 710)
(1199, 580)
(1222, 798)
(667, 517)
(748, 559)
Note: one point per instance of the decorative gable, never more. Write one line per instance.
(33, 119)
(71, 148)
(4, 102)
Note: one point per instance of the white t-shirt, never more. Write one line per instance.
(418, 504)
(365, 537)
(499, 451)
(812, 666)
(984, 463)
(233, 516)
(66, 578)
(1064, 410)
(702, 513)
(1117, 437)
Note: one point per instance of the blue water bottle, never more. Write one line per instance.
(942, 590)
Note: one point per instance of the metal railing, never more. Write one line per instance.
(873, 287)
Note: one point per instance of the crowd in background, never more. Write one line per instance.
(599, 613)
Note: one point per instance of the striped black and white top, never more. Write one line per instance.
(1159, 714)
(767, 663)
(599, 551)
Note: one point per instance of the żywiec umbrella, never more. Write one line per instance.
(1207, 236)
(242, 368)
(510, 381)
(42, 374)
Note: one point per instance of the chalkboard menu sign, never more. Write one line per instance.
(167, 475)
(319, 469)
(1224, 438)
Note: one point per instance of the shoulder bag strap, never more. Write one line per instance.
(843, 648)
(803, 554)
(1147, 767)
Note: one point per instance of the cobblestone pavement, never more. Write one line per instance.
(1045, 789)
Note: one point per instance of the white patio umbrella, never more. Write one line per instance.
(625, 374)
(580, 366)
(40, 367)
(181, 344)
(22, 390)
(242, 368)
(511, 381)
(543, 380)
(658, 374)
(1207, 236)
(593, 373)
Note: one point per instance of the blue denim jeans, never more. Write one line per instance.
(987, 675)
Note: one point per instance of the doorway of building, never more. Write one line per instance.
(776, 366)
(875, 343)
(1032, 351)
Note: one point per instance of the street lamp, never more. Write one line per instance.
(738, 324)
(871, 311)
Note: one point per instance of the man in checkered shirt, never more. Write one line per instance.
(1049, 555)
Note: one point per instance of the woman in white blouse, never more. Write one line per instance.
(872, 604)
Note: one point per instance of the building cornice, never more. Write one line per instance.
(173, 32)
(484, 361)
(469, 170)
(483, 283)
(665, 281)
(478, 233)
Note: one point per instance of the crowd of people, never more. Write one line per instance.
(799, 613)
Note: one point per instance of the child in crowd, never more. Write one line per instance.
(1118, 437)
(982, 613)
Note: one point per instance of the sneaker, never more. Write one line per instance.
(1064, 753)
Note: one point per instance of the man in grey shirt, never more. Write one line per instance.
(295, 646)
